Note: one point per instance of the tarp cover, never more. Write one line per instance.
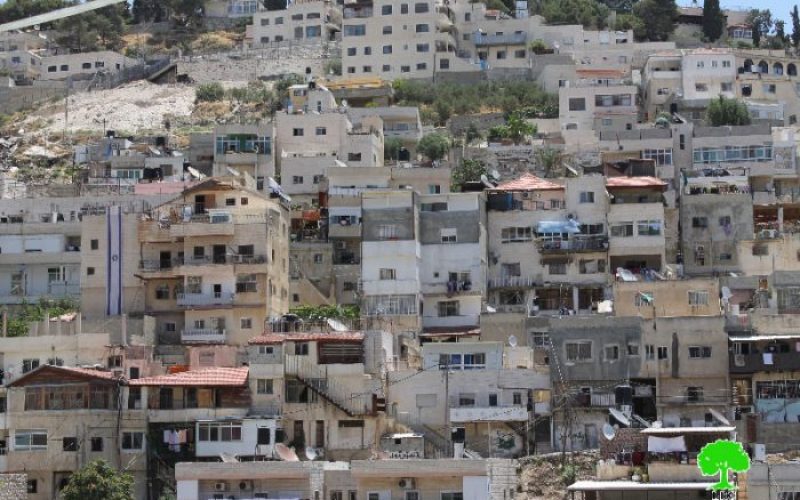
(656, 444)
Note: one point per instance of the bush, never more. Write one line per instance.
(434, 146)
(210, 92)
(333, 67)
(725, 111)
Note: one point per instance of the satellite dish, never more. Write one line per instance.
(726, 293)
(512, 340)
(658, 424)
(311, 453)
(490, 309)
(338, 326)
(609, 432)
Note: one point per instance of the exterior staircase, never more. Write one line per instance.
(341, 396)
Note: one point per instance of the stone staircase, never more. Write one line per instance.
(341, 396)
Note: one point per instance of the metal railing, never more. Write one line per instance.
(316, 377)
(204, 299)
(203, 335)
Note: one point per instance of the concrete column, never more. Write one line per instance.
(780, 219)
(575, 302)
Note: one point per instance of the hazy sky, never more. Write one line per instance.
(779, 8)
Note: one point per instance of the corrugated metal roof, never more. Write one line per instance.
(279, 338)
(209, 377)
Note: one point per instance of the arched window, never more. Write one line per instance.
(748, 65)
(763, 67)
(777, 68)
(791, 69)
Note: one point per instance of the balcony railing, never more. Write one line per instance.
(204, 299)
(577, 244)
(203, 335)
(595, 400)
(465, 320)
(764, 361)
(513, 281)
(482, 40)
(513, 413)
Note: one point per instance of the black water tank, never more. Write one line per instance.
(623, 395)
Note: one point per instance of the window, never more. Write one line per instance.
(52, 69)
(696, 352)
(404, 8)
(539, 339)
(423, 47)
(701, 87)
(577, 104)
(301, 348)
(557, 268)
(30, 440)
(633, 349)
(219, 431)
(760, 250)
(367, 51)
(388, 274)
(69, 444)
(246, 323)
(473, 361)
(265, 350)
(351, 51)
(297, 17)
(422, 28)
(387, 30)
(578, 351)
(694, 394)
(519, 54)
(264, 386)
(452, 495)
(587, 197)
(516, 234)
(726, 64)
(501, 54)
(297, 132)
(55, 274)
(32, 486)
(246, 283)
(405, 69)
(278, 20)
(64, 67)
(321, 131)
(132, 441)
(449, 235)
(94, 244)
(170, 327)
(387, 49)
(350, 424)
(662, 352)
(698, 297)
(434, 189)
(661, 156)
(29, 365)
(96, 444)
(355, 156)
(649, 352)
(387, 232)
(466, 399)
(726, 86)
(700, 222)
(769, 88)
(162, 292)
(265, 21)
(605, 101)
(621, 229)
(649, 227)
(297, 179)
(611, 352)
(317, 258)
(355, 30)
(422, 66)
(421, 8)
(386, 10)
(448, 308)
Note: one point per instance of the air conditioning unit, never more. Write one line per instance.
(738, 359)
(407, 483)
(221, 486)
(245, 485)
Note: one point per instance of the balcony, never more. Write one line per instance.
(577, 244)
(515, 413)
(483, 40)
(203, 335)
(751, 363)
(202, 225)
(602, 400)
(464, 320)
(344, 231)
(514, 282)
(452, 289)
(204, 300)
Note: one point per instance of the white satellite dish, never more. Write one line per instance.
(726, 293)
(512, 340)
(490, 309)
(609, 432)
(311, 453)
(336, 325)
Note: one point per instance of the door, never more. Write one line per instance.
(590, 436)
(219, 254)
(319, 434)
(217, 291)
(199, 204)
(165, 398)
(165, 260)
(299, 434)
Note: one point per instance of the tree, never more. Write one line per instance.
(391, 148)
(713, 20)
(434, 146)
(632, 22)
(589, 13)
(472, 133)
(724, 111)
(13, 10)
(468, 171)
(659, 18)
(98, 481)
(780, 39)
(325, 312)
(100, 29)
(795, 27)
(761, 23)
(209, 92)
(720, 457)
(519, 128)
(551, 161)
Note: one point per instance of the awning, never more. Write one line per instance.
(686, 430)
(570, 226)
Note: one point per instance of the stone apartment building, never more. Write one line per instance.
(214, 264)
(309, 21)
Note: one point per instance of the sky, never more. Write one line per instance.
(779, 8)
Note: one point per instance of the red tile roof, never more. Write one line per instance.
(208, 377)
(529, 182)
(88, 373)
(623, 182)
(279, 338)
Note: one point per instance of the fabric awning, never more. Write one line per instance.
(657, 444)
